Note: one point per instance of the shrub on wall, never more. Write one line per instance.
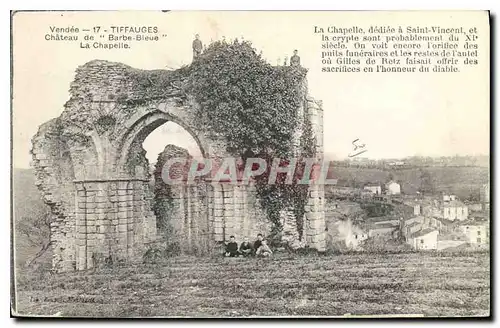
(248, 101)
(255, 107)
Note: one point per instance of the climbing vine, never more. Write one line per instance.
(245, 99)
(255, 107)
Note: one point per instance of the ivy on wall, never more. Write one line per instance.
(255, 107)
(245, 99)
(251, 104)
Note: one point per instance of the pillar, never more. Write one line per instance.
(218, 212)
(314, 225)
(113, 217)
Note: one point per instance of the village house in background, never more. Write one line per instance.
(376, 189)
(392, 188)
(484, 196)
(421, 222)
(477, 233)
(424, 239)
(455, 210)
(449, 208)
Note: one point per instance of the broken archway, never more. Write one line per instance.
(92, 170)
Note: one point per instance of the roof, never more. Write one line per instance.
(391, 182)
(475, 223)
(382, 226)
(480, 216)
(454, 203)
(372, 185)
(383, 218)
(423, 232)
(445, 221)
(411, 225)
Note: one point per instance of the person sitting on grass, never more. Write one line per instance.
(231, 248)
(245, 248)
(257, 243)
(264, 250)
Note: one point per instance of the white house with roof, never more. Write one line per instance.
(450, 210)
(447, 198)
(376, 189)
(345, 233)
(424, 239)
(477, 233)
(393, 188)
(455, 210)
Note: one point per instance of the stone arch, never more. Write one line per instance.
(143, 126)
(113, 107)
(189, 217)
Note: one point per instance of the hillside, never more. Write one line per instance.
(29, 211)
(461, 181)
(427, 284)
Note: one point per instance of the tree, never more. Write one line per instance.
(254, 107)
(252, 104)
(426, 182)
(35, 232)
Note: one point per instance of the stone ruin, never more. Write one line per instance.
(92, 171)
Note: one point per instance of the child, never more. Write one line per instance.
(257, 243)
(231, 248)
(245, 248)
(264, 250)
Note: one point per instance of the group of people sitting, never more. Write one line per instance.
(246, 249)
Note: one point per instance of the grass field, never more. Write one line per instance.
(358, 284)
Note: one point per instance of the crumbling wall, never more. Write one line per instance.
(198, 214)
(53, 176)
(92, 170)
(235, 209)
(314, 225)
(100, 208)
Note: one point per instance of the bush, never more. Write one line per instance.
(252, 104)
(255, 107)
(32, 277)
(380, 245)
(157, 253)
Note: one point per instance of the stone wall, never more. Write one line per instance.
(314, 225)
(189, 219)
(204, 213)
(113, 218)
(92, 172)
(54, 178)
(235, 210)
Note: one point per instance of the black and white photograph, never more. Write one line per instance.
(251, 164)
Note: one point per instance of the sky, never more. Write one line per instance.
(394, 114)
